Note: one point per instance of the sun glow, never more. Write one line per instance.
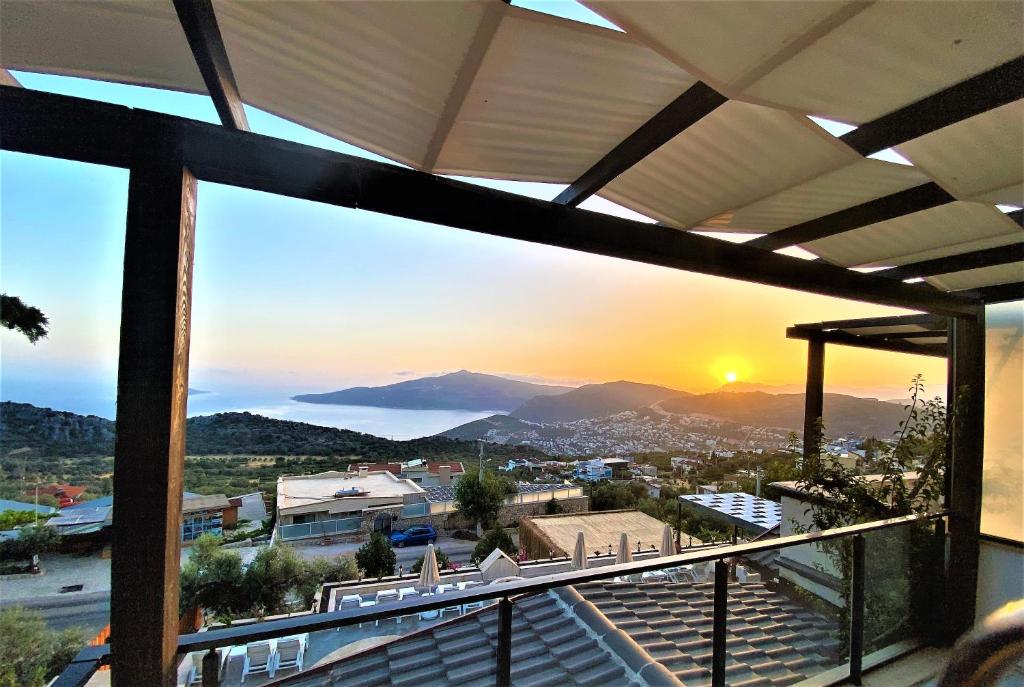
(731, 368)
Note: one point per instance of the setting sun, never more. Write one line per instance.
(730, 377)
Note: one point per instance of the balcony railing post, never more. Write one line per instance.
(857, 611)
(718, 629)
(504, 678)
(211, 669)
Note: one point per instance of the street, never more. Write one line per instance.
(89, 611)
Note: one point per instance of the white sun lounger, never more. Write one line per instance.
(259, 658)
(290, 652)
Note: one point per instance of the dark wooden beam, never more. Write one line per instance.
(200, 25)
(214, 153)
(814, 398)
(1001, 293)
(930, 321)
(967, 351)
(855, 341)
(152, 390)
(698, 100)
(989, 257)
(986, 91)
(1017, 216)
(927, 334)
(888, 207)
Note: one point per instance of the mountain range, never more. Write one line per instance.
(462, 390)
(593, 400)
(28, 431)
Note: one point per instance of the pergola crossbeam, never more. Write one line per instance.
(58, 126)
(989, 257)
(204, 38)
(696, 102)
(846, 339)
(898, 204)
(981, 93)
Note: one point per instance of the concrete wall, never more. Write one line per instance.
(1000, 577)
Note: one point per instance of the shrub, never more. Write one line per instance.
(320, 570)
(30, 541)
(494, 538)
(376, 558)
(478, 499)
(552, 507)
(442, 561)
(31, 654)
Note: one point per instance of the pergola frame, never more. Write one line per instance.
(964, 351)
(166, 156)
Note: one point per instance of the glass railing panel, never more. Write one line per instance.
(903, 591)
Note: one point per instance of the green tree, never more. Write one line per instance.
(376, 558)
(494, 538)
(895, 605)
(442, 561)
(320, 570)
(212, 579)
(30, 653)
(16, 315)
(31, 540)
(9, 519)
(269, 579)
(480, 499)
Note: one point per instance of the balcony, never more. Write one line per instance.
(717, 623)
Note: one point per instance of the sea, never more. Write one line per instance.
(391, 423)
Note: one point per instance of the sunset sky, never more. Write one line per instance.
(293, 296)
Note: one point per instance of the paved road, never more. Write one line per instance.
(90, 611)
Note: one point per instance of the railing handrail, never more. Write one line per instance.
(272, 629)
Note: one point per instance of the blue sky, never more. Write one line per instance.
(294, 296)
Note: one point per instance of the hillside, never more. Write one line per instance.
(842, 414)
(55, 433)
(591, 401)
(461, 390)
(495, 425)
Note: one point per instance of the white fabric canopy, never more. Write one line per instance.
(485, 89)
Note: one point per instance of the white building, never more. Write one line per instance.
(334, 502)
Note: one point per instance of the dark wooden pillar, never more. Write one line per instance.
(152, 388)
(967, 366)
(814, 395)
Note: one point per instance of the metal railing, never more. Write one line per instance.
(91, 658)
(318, 528)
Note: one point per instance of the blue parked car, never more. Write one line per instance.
(421, 534)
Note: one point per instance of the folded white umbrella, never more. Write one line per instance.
(579, 555)
(430, 576)
(668, 544)
(624, 555)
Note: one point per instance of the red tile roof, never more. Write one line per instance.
(67, 490)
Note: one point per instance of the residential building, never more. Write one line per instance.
(66, 494)
(423, 473)
(543, 535)
(210, 514)
(333, 502)
(592, 470)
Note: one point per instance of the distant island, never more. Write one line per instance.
(462, 390)
(196, 392)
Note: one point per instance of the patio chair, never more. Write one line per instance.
(654, 576)
(472, 604)
(364, 604)
(259, 658)
(405, 593)
(290, 652)
(457, 608)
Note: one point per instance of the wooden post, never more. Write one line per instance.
(814, 397)
(967, 354)
(152, 389)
